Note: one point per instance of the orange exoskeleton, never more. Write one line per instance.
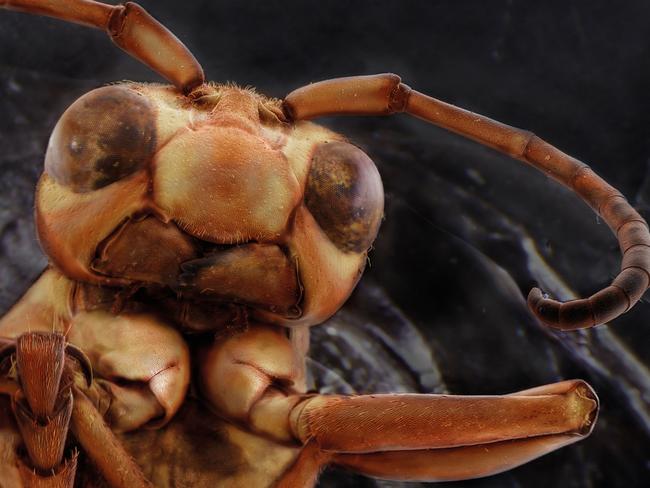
(195, 232)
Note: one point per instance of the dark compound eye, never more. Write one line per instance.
(345, 195)
(104, 136)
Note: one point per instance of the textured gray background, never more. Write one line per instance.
(467, 231)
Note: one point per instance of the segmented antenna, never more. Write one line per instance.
(384, 94)
(132, 28)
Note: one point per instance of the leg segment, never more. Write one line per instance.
(256, 378)
(132, 29)
(459, 463)
(98, 441)
(42, 408)
(305, 470)
(442, 438)
(385, 94)
(371, 423)
(408, 437)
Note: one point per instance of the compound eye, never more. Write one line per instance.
(101, 138)
(345, 195)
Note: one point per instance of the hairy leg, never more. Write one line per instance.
(254, 378)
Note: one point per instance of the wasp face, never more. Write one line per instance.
(218, 201)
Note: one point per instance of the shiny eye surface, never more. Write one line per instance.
(103, 137)
(345, 195)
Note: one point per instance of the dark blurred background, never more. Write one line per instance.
(467, 232)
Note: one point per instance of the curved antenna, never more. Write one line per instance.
(384, 94)
(132, 28)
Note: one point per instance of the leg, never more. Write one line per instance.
(254, 378)
(107, 453)
(142, 363)
(142, 367)
(459, 463)
(436, 437)
(42, 406)
(306, 468)
(385, 94)
(132, 29)
(389, 422)
(46, 404)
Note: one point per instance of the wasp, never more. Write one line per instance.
(195, 232)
